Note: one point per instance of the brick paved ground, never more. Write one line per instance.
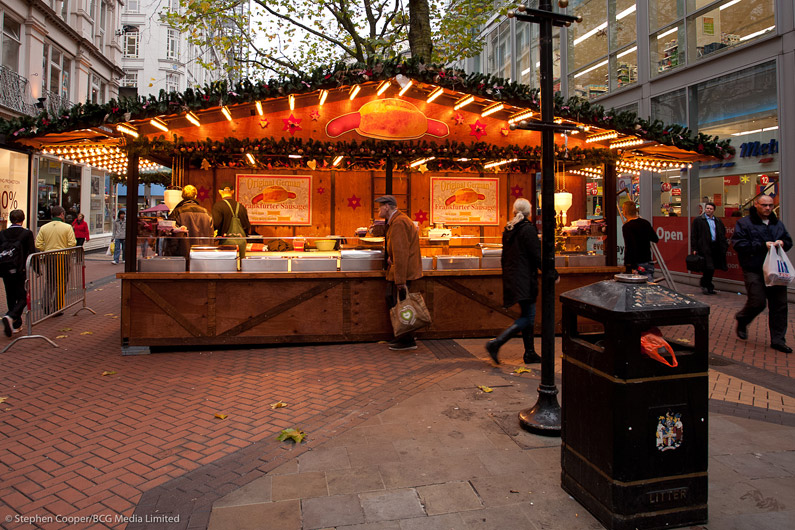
(75, 442)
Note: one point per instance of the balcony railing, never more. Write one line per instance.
(15, 92)
(55, 103)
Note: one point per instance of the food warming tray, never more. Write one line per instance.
(313, 264)
(457, 262)
(264, 264)
(361, 260)
(427, 263)
(491, 258)
(213, 259)
(162, 264)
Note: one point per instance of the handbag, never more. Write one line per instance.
(695, 263)
(409, 314)
(777, 268)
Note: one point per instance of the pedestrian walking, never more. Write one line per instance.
(56, 235)
(638, 237)
(80, 226)
(708, 240)
(753, 237)
(521, 261)
(119, 236)
(403, 260)
(16, 244)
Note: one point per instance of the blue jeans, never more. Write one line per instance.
(118, 248)
(528, 316)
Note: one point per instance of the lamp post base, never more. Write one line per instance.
(544, 417)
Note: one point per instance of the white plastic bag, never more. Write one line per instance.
(777, 268)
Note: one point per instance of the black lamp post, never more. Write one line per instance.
(544, 417)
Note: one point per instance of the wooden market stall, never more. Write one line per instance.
(308, 156)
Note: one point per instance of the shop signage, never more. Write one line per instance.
(665, 186)
(758, 148)
(676, 192)
(465, 201)
(14, 182)
(764, 180)
(733, 180)
(276, 199)
(387, 119)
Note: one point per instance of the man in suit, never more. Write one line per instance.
(14, 280)
(403, 259)
(708, 240)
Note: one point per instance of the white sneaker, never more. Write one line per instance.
(115, 262)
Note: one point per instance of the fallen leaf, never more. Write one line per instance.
(295, 435)
(278, 405)
(106, 372)
(114, 317)
(485, 388)
(221, 416)
(87, 333)
(65, 329)
(108, 314)
(3, 399)
(61, 336)
(514, 491)
(522, 370)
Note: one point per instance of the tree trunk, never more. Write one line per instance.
(420, 42)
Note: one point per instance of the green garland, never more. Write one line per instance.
(245, 91)
(361, 154)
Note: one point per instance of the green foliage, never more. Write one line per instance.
(296, 435)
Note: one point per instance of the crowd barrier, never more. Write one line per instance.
(55, 281)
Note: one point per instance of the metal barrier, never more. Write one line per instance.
(55, 281)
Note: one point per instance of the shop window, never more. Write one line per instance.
(523, 53)
(729, 23)
(588, 39)
(95, 216)
(631, 107)
(626, 68)
(590, 82)
(624, 31)
(109, 206)
(666, 49)
(670, 107)
(11, 43)
(665, 12)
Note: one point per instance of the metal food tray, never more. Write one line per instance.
(213, 265)
(427, 263)
(313, 264)
(264, 264)
(213, 253)
(457, 262)
(162, 264)
(490, 262)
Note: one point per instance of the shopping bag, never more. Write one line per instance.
(409, 314)
(109, 252)
(777, 268)
(653, 345)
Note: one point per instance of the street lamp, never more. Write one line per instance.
(544, 417)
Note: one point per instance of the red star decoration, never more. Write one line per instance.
(478, 129)
(315, 115)
(505, 130)
(516, 191)
(263, 122)
(321, 191)
(421, 216)
(291, 124)
(203, 193)
(354, 202)
(459, 119)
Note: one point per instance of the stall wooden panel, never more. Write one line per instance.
(353, 201)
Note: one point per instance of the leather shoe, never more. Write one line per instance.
(711, 291)
(781, 347)
(742, 332)
(531, 357)
(704, 290)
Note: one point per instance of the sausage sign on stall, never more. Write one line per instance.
(276, 199)
(465, 201)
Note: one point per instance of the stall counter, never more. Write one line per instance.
(218, 309)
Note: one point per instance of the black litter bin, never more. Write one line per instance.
(634, 431)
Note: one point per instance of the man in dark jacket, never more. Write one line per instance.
(223, 211)
(192, 220)
(753, 236)
(708, 240)
(638, 237)
(404, 261)
(14, 279)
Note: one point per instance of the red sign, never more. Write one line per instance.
(733, 180)
(665, 186)
(676, 192)
(595, 191)
(764, 180)
(717, 199)
(673, 233)
(734, 272)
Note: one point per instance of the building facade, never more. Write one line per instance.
(719, 67)
(56, 53)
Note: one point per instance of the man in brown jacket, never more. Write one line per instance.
(403, 258)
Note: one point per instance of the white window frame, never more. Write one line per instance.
(7, 36)
(133, 6)
(130, 79)
(172, 44)
(172, 83)
(131, 38)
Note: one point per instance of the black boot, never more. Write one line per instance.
(530, 355)
(493, 346)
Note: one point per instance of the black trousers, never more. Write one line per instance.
(16, 296)
(707, 275)
(758, 294)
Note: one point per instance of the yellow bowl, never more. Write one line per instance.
(325, 244)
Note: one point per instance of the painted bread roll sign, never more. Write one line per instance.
(465, 201)
(387, 119)
(276, 199)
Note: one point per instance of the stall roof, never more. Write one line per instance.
(287, 121)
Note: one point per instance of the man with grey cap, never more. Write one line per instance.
(403, 259)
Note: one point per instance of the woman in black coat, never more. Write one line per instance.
(521, 260)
